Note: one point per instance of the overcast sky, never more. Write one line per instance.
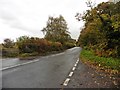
(28, 17)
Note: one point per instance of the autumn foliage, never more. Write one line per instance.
(101, 33)
(30, 45)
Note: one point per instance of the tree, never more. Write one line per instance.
(102, 28)
(56, 30)
(8, 43)
(22, 38)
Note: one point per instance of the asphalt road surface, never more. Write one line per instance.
(47, 72)
(6, 62)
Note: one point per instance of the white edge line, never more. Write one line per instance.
(73, 68)
(66, 82)
(76, 62)
(71, 73)
(75, 65)
(18, 65)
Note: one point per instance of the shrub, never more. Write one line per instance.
(11, 52)
(68, 45)
(28, 54)
(56, 46)
(38, 45)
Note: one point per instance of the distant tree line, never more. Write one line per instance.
(57, 38)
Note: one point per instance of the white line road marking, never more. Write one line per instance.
(66, 82)
(10, 67)
(75, 65)
(19, 65)
(56, 54)
(76, 62)
(73, 68)
(71, 73)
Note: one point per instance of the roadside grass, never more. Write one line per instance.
(30, 56)
(102, 62)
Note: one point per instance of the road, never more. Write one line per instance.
(47, 72)
(7, 62)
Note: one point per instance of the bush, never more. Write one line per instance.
(38, 45)
(56, 46)
(68, 45)
(11, 52)
(28, 54)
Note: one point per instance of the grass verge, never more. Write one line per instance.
(30, 56)
(111, 65)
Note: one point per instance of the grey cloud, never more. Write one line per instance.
(6, 16)
(31, 15)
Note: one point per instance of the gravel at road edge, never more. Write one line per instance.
(87, 77)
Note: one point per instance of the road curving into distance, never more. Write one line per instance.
(44, 72)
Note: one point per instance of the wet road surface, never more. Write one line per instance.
(6, 62)
(49, 72)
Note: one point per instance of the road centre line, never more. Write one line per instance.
(9, 67)
(19, 65)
